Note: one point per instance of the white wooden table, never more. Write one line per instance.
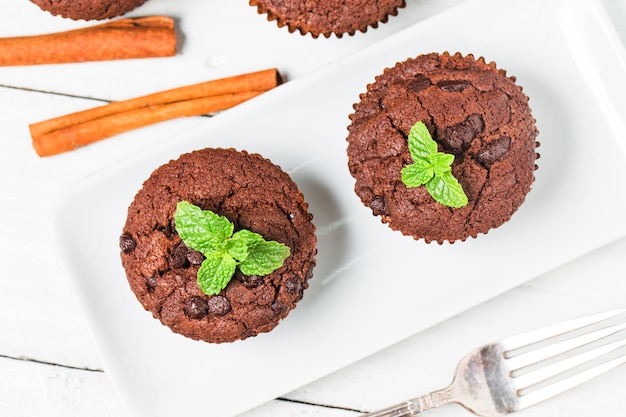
(50, 367)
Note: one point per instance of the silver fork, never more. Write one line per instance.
(523, 370)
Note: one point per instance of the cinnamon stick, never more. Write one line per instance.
(71, 131)
(127, 38)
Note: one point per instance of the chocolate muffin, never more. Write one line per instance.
(88, 9)
(475, 112)
(327, 17)
(253, 194)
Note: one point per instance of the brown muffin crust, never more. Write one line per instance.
(326, 17)
(88, 9)
(472, 110)
(252, 193)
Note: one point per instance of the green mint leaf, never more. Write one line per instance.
(237, 247)
(418, 173)
(421, 144)
(213, 235)
(215, 272)
(432, 169)
(441, 163)
(249, 237)
(446, 190)
(264, 257)
(201, 230)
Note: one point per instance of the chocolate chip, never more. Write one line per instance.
(218, 305)
(309, 273)
(494, 151)
(252, 281)
(127, 243)
(475, 123)
(249, 281)
(279, 308)
(178, 257)
(293, 286)
(166, 230)
(196, 307)
(453, 86)
(379, 206)
(194, 257)
(459, 136)
(420, 83)
(248, 333)
(151, 283)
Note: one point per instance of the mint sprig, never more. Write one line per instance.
(432, 169)
(224, 249)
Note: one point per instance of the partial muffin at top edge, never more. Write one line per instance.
(326, 17)
(253, 194)
(475, 112)
(88, 9)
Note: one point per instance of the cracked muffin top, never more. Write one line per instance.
(474, 112)
(88, 9)
(328, 17)
(253, 194)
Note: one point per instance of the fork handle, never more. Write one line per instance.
(415, 405)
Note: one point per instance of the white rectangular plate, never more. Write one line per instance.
(372, 286)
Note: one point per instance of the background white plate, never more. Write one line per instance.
(372, 287)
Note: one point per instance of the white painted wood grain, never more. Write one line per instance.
(218, 38)
(30, 389)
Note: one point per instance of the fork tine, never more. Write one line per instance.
(568, 383)
(517, 362)
(549, 371)
(533, 336)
